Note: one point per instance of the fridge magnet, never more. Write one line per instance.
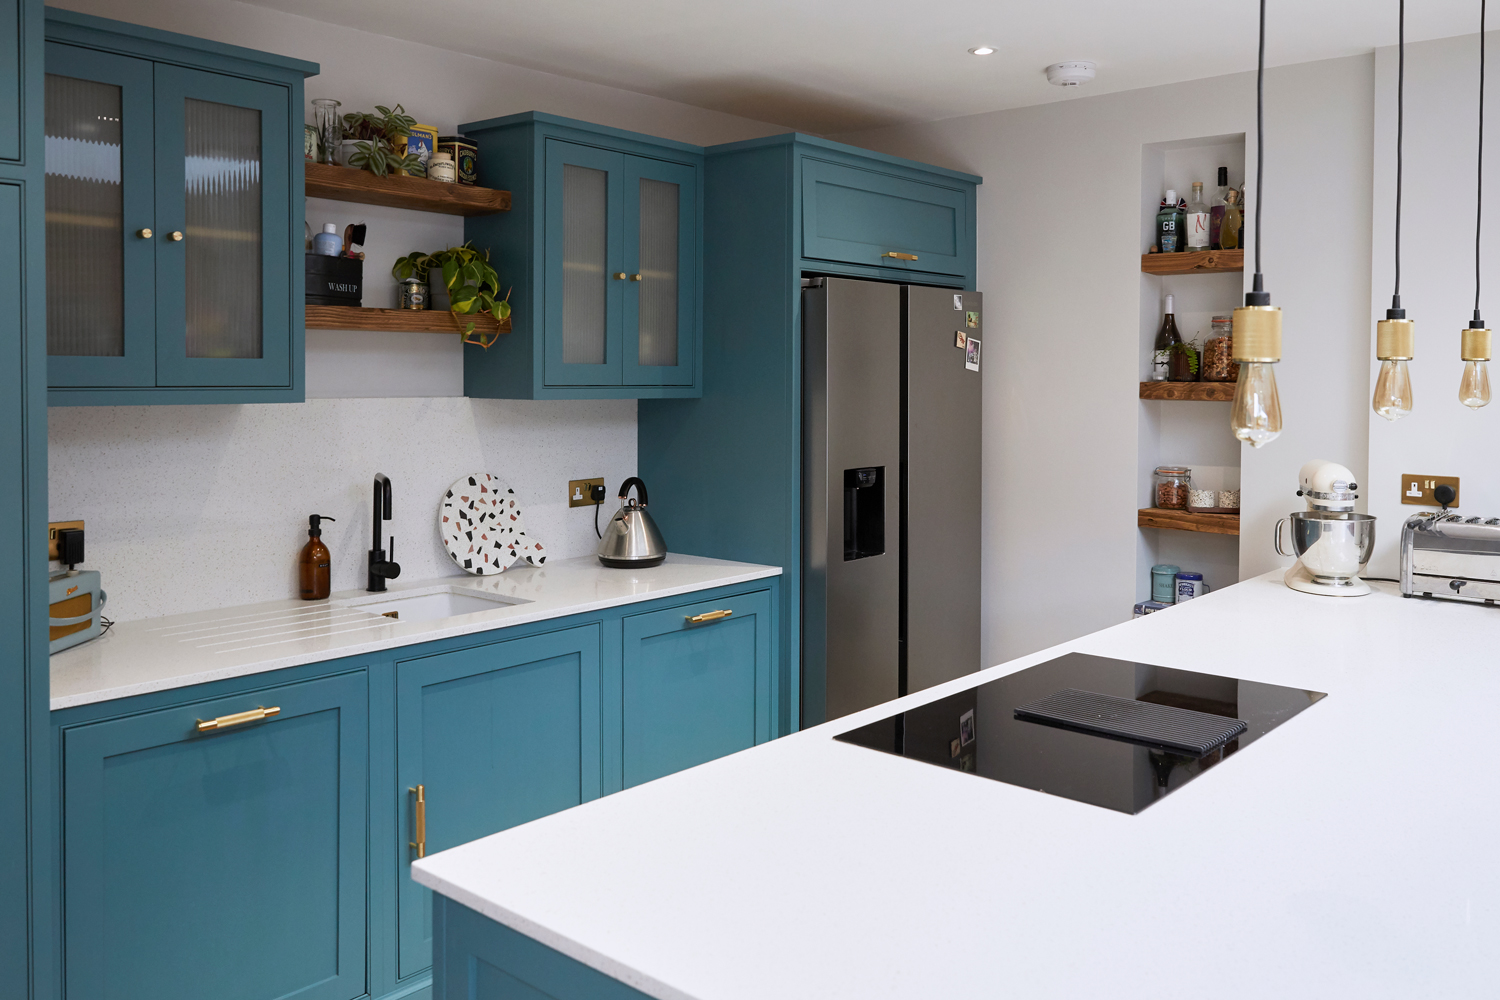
(966, 728)
(971, 320)
(960, 339)
(953, 748)
(971, 355)
(958, 303)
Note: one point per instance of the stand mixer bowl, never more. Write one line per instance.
(1333, 546)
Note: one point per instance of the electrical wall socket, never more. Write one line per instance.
(578, 491)
(53, 528)
(1417, 490)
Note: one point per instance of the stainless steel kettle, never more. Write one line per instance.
(631, 539)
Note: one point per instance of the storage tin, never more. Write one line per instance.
(465, 155)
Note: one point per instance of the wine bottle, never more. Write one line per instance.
(1167, 340)
(1216, 213)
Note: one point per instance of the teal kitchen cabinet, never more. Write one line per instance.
(228, 862)
(173, 183)
(777, 210)
(602, 251)
(696, 684)
(488, 738)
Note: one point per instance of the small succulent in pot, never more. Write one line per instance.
(473, 286)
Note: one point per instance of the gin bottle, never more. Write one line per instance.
(1198, 220)
(1169, 225)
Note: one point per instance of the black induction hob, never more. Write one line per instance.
(1111, 733)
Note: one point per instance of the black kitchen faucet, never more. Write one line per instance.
(381, 568)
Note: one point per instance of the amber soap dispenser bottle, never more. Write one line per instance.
(312, 562)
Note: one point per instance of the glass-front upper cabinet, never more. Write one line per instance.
(602, 243)
(170, 223)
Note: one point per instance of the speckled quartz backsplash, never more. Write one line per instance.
(196, 507)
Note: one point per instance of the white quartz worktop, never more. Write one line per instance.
(158, 653)
(1353, 852)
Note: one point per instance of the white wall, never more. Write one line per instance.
(193, 507)
(1059, 239)
(1441, 436)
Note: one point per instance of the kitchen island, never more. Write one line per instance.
(1348, 853)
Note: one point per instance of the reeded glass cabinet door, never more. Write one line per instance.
(660, 309)
(585, 271)
(222, 202)
(101, 244)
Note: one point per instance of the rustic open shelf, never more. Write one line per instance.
(399, 320)
(1196, 262)
(348, 184)
(1183, 520)
(1214, 392)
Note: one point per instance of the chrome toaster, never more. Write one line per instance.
(1451, 556)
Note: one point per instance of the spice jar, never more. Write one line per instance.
(1217, 364)
(1172, 483)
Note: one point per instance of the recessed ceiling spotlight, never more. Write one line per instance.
(982, 50)
(1070, 74)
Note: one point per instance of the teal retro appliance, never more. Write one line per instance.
(75, 600)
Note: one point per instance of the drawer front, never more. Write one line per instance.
(227, 863)
(695, 690)
(859, 215)
(496, 735)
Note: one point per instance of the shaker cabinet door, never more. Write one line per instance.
(101, 219)
(863, 215)
(494, 736)
(224, 305)
(695, 690)
(661, 261)
(584, 267)
(229, 863)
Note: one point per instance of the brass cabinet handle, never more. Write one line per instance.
(176, 237)
(709, 616)
(620, 275)
(225, 721)
(419, 823)
(635, 277)
(899, 256)
(144, 234)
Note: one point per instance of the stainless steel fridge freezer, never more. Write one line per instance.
(890, 491)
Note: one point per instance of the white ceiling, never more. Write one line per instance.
(833, 66)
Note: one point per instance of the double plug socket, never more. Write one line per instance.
(586, 492)
(1419, 490)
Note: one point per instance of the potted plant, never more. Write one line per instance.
(379, 142)
(1182, 365)
(470, 284)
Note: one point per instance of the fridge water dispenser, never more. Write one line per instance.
(864, 512)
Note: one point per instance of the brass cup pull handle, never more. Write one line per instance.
(621, 276)
(635, 277)
(176, 237)
(225, 721)
(899, 256)
(144, 234)
(419, 821)
(709, 616)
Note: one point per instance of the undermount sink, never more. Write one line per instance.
(432, 603)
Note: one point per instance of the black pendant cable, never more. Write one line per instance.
(1255, 417)
(1474, 389)
(1396, 336)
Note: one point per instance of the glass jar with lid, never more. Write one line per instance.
(1217, 364)
(1172, 485)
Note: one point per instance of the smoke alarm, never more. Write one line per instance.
(1070, 74)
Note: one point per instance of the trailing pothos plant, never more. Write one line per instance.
(473, 286)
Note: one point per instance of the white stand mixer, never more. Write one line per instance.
(1332, 543)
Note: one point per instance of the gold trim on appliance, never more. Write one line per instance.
(899, 256)
(709, 616)
(225, 721)
(419, 821)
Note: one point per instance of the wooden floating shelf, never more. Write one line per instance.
(419, 193)
(1196, 262)
(1214, 392)
(1184, 520)
(398, 320)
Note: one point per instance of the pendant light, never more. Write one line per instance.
(1395, 336)
(1474, 388)
(1256, 414)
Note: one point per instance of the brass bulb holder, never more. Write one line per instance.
(1257, 334)
(1476, 345)
(1395, 340)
